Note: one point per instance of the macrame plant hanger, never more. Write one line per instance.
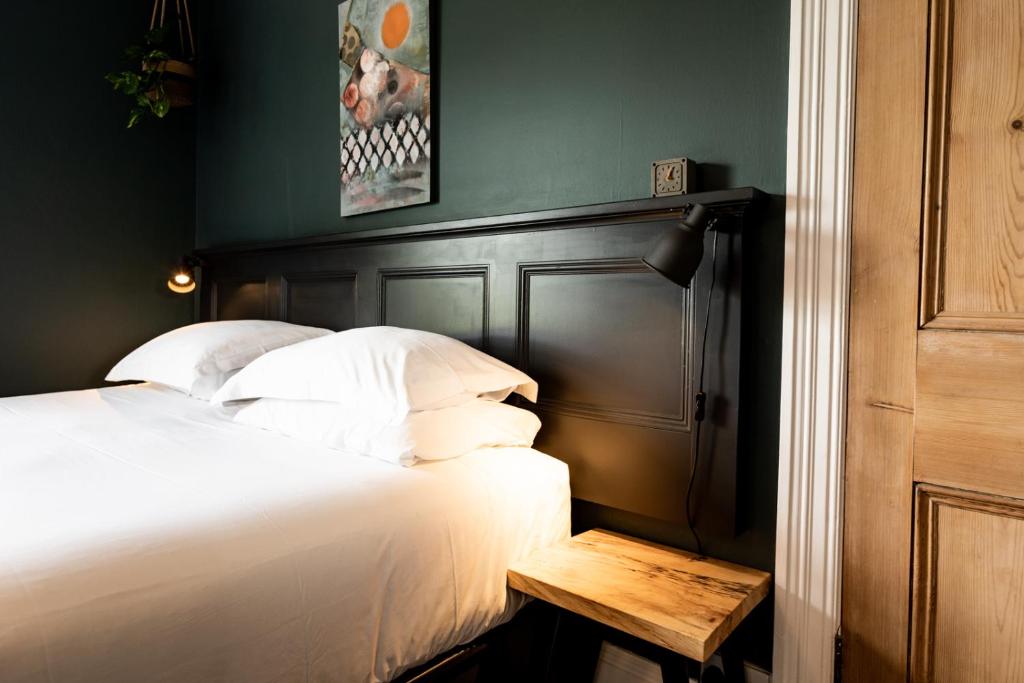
(180, 73)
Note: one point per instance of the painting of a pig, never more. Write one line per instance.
(384, 69)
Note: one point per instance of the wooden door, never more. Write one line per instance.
(933, 566)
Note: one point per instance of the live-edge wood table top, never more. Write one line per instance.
(678, 600)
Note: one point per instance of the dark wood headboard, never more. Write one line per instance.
(563, 295)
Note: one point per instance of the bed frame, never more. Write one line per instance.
(563, 295)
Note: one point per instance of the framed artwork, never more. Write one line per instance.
(384, 68)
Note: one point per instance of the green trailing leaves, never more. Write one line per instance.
(135, 115)
(145, 84)
(160, 105)
(126, 82)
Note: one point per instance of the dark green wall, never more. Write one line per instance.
(540, 104)
(92, 216)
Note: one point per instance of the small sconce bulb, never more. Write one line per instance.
(182, 280)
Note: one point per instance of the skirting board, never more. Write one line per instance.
(617, 665)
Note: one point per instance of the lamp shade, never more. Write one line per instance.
(183, 277)
(678, 253)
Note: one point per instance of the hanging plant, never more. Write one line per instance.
(165, 73)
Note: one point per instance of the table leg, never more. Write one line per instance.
(732, 662)
(678, 669)
(575, 648)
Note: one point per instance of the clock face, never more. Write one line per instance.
(667, 178)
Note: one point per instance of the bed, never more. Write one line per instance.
(148, 537)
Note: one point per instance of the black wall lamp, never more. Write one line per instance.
(183, 277)
(678, 253)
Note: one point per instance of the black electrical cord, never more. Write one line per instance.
(700, 399)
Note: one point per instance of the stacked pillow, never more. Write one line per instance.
(396, 394)
(198, 359)
(438, 434)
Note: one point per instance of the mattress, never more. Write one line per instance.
(145, 536)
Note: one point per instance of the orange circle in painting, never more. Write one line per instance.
(395, 27)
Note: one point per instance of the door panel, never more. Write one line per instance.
(969, 430)
(969, 607)
(974, 223)
(935, 400)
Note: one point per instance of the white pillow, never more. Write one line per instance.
(392, 368)
(425, 435)
(198, 359)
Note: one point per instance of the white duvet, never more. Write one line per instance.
(146, 537)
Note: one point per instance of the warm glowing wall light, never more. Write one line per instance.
(183, 278)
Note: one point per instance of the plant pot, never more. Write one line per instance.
(179, 81)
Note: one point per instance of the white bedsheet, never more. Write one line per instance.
(145, 537)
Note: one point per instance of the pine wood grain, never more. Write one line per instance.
(888, 158)
(969, 579)
(678, 600)
(974, 218)
(940, 405)
(970, 411)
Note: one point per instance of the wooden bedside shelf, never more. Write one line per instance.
(680, 601)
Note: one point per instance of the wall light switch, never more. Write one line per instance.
(670, 177)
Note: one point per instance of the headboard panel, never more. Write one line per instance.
(320, 299)
(451, 300)
(563, 295)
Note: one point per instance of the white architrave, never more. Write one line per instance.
(822, 58)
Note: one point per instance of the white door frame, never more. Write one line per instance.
(822, 61)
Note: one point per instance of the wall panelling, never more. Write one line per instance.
(449, 300)
(325, 299)
(563, 294)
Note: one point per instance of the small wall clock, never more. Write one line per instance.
(671, 177)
